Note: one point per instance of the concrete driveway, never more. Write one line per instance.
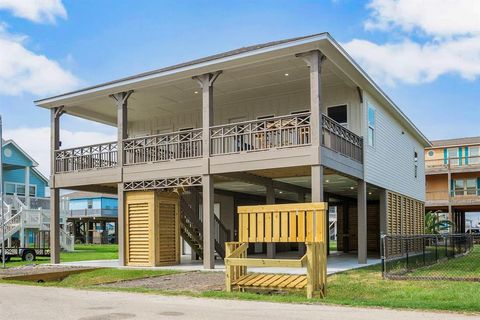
(28, 302)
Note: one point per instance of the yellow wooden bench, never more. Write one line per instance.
(299, 222)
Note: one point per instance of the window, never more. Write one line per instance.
(465, 187)
(453, 156)
(474, 156)
(459, 187)
(339, 114)
(32, 191)
(371, 126)
(415, 162)
(431, 153)
(471, 186)
(266, 117)
(89, 204)
(19, 189)
(9, 188)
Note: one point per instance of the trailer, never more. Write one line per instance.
(26, 254)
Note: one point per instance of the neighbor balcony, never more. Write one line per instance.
(289, 131)
(454, 164)
(458, 197)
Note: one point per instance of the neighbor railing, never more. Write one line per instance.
(452, 162)
(277, 132)
(161, 147)
(341, 140)
(92, 213)
(102, 155)
(465, 195)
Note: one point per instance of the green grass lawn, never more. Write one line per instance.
(82, 252)
(467, 266)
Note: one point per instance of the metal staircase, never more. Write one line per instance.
(191, 226)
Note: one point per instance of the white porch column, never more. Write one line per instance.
(208, 222)
(270, 199)
(362, 221)
(27, 186)
(54, 192)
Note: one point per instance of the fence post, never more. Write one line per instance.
(382, 253)
(423, 249)
(406, 253)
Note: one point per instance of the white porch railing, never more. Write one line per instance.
(278, 132)
(340, 139)
(162, 147)
(103, 155)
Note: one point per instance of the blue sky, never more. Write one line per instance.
(431, 72)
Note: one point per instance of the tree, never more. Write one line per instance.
(434, 223)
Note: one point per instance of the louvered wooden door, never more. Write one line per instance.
(139, 228)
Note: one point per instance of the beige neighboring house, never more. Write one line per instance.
(294, 120)
(453, 180)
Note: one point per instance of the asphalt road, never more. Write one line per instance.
(18, 302)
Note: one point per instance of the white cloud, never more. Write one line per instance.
(22, 70)
(40, 11)
(39, 148)
(441, 18)
(452, 29)
(411, 62)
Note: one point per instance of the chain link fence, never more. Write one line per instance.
(431, 257)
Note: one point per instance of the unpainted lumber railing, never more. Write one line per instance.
(300, 222)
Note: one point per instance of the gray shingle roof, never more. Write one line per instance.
(456, 142)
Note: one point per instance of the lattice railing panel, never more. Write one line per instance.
(278, 132)
(96, 156)
(163, 147)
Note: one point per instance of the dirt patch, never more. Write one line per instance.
(197, 281)
(36, 269)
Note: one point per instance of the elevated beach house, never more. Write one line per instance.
(289, 121)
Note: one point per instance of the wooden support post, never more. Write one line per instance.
(206, 83)
(362, 221)
(317, 183)
(120, 225)
(208, 222)
(54, 192)
(383, 211)
(270, 199)
(314, 60)
(121, 100)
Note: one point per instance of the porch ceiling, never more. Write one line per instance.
(334, 183)
(267, 78)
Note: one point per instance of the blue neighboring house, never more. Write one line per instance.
(19, 169)
(93, 216)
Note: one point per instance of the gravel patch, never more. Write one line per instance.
(197, 281)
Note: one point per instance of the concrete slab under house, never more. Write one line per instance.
(290, 121)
